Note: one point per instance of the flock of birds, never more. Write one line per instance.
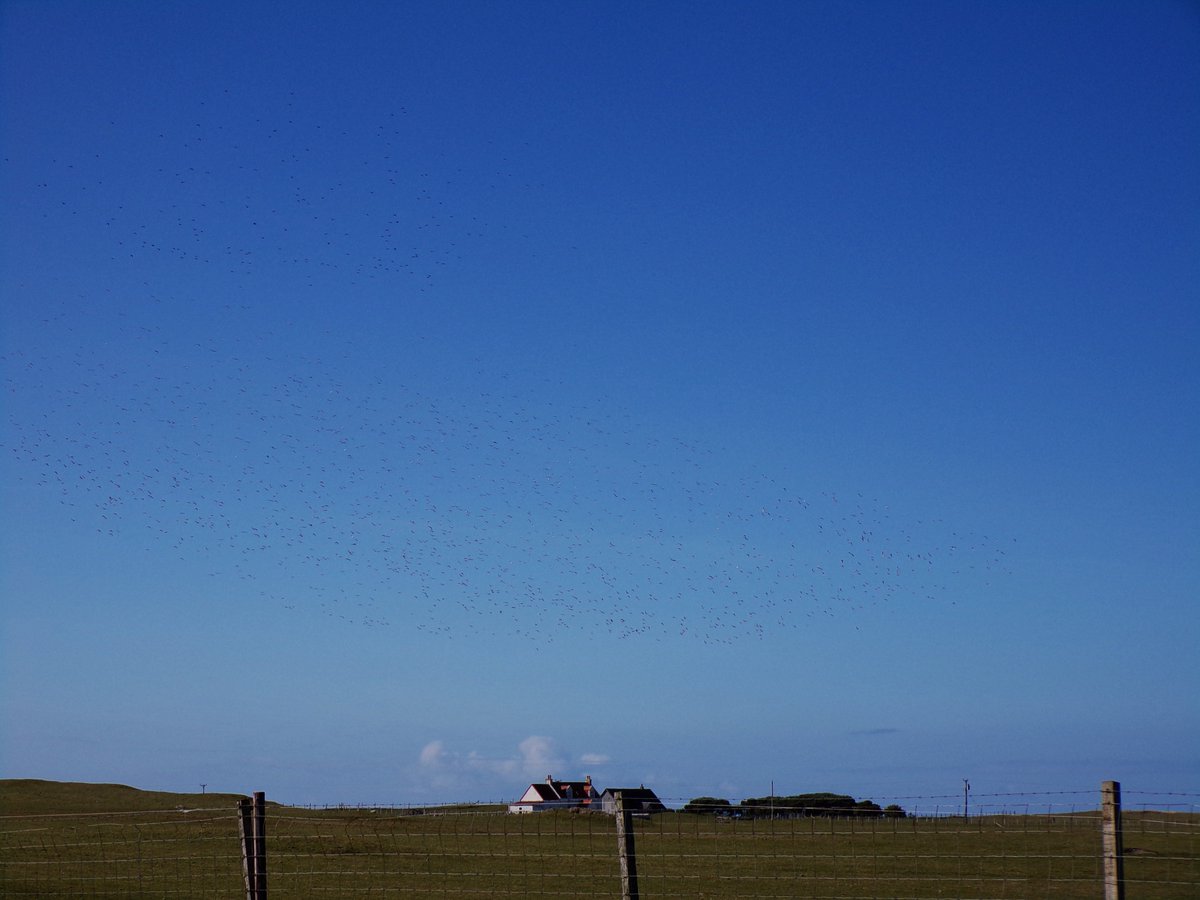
(178, 398)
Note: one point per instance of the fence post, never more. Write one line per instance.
(246, 832)
(252, 823)
(1114, 864)
(260, 846)
(625, 850)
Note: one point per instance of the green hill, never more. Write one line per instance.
(33, 796)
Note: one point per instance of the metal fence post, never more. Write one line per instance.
(625, 850)
(1114, 864)
(260, 846)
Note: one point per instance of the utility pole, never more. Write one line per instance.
(966, 797)
(202, 787)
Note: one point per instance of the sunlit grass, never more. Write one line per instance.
(60, 840)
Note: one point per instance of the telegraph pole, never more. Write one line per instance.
(966, 797)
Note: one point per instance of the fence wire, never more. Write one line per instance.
(747, 854)
(444, 854)
(175, 854)
(830, 858)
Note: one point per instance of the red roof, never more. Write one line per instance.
(550, 791)
(544, 791)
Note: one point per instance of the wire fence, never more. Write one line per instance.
(1027, 847)
(175, 853)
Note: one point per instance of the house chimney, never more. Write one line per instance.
(549, 779)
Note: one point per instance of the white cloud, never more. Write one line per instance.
(479, 763)
(448, 774)
(539, 757)
(433, 754)
(594, 759)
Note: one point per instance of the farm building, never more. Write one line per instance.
(637, 800)
(555, 794)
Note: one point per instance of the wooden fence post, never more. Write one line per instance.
(625, 850)
(1114, 863)
(252, 823)
(246, 831)
(260, 846)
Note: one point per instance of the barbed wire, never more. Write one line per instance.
(223, 811)
(459, 850)
(679, 800)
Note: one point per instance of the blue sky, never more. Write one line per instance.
(404, 402)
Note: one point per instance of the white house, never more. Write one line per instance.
(554, 794)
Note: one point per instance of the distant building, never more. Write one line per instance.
(554, 794)
(638, 800)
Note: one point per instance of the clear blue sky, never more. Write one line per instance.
(404, 402)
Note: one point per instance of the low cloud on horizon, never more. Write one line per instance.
(445, 770)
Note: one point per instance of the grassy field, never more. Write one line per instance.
(113, 841)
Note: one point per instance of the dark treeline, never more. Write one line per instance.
(794, 806)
